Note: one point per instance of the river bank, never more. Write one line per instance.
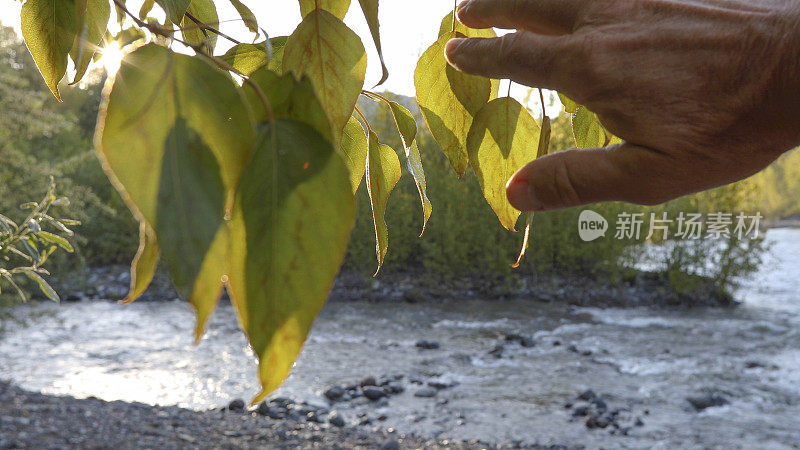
(31, 420)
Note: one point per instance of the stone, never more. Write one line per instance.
(426, 392)
(373, 393)
(334, 393)
(236, 405)
(427, 345)
(336, 419)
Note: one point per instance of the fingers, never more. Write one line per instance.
(541, 16)
(623, 172)
(523, 57)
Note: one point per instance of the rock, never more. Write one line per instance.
(373, 393)
(414, 295)
(556, 343)
(639, 422)
(336, 419)
(236, 405)
(497, 351)
(368, 381)
(587, 395)
(600, 404)
(441, 384)
(426, 392)
(586, 353)
(427, 345)
(525, 341)
(394, 388)
(334, 393)
(597, 422)
(382, 403)
(580, 411)
(313, 417)
(391, 444)
(273, 413)
(707, 401)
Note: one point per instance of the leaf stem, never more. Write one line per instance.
(455, 5)
(364, 119)
(204, 26)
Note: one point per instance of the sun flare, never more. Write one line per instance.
(111, 58)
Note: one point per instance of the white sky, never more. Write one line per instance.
(408, 28)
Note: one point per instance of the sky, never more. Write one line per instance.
(408, 28)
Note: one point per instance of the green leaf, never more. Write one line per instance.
(446, 27)
(289, 230)
(90, 35)
(500, 142)
(147, 6)
(246, 58)
(333, 58)
(289, 98)
(587, 130)
(370, 10)
(570, 105)
(276, 60)
(383, 172)
(449, 99)
(206, 12)
(407, 127)
(129, 36)
(144, 264)
(175, 9)
(354, 150)
(336, 7)
(247, 16)
(544, 138)
(55, 239)
(414, 166)
(174, 135)
(46, 289)
(49, 29)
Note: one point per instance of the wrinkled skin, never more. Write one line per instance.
(703, 92)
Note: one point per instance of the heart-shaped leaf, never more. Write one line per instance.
(449, 99)
(383, 172)
(289, 230)
(49, 29)
(502, 139)
(333, 58)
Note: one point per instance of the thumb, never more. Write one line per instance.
(624, 172)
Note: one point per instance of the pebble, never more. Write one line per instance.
(426, 392)
(368, 381)
(391, 444)
(427, 345)
(336, 419)
(702, 402)
(334, 393)
(236, 405)
(374, 393)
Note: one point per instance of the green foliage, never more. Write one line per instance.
(25, 246)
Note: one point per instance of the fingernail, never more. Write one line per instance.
(521, 196)
(451, 48)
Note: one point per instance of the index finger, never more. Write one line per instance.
(540, 16)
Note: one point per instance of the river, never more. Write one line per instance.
(646, 363)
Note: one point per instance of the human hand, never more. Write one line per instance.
(702, 92)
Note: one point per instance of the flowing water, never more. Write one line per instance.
(644, 361)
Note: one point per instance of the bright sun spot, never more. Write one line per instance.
(112, 58)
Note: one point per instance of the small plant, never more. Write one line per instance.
(24, 248)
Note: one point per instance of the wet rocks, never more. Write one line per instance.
(497, 351)
(595, 412)
(427, 345)
(705, 401)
